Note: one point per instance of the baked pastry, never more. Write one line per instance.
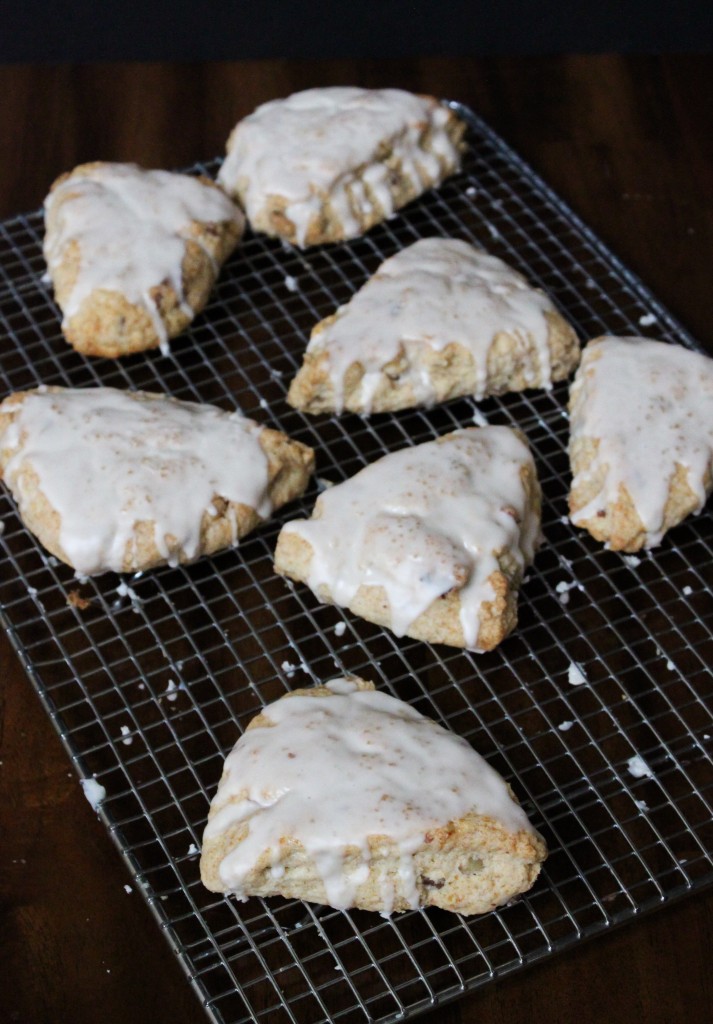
(327, 164)
(431, 541)
(641, 443)
(438, 320)
(346, 796)
(133, 254)
(127, 480)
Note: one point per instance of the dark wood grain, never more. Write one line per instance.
(628, 142)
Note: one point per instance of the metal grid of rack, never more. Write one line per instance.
(150, 683)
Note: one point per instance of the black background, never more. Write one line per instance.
(52, 30)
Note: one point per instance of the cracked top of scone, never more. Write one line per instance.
(133, 253)
(431, 540)
(438, 320)
(327, 164)
(348, 796)
(118, 480)
(641, 444)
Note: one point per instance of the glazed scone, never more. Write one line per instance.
(327, 164)
(430, 541)
(438, 320)
(133, 254)
(346, 796)
(641, 442)
(127, 480)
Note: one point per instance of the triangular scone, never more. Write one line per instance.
(438, 320)
(641, 443)
(133, 254)
(327, 164)
(127, 480)
(431, 541)
(346, 796)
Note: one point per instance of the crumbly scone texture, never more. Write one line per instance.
(109, 325)
(451, 371)
(617, 523)
(290, 465)
(440, 623)
(469, 866)
(271, 215)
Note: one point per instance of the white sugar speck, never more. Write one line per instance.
(670, 666)
(471, 191)
(128, 889)
(479, 419)
(340, 628)
(264, 404)
(632, 561)
(288, 668)
(647, 320)
(575, 674)
(193, 850)
(641, 805)
(563, 588)
(170, 690)
(565, 726)
(639, 768)
(126, 734)
(124, 590)
(93, 791)
(687, 591)
(290, 283)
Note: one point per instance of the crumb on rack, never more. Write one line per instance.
(75, 600)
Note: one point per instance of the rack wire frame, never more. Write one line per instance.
(150, 684)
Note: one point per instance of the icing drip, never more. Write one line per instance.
(131, 226)
(307, 149)
(424, 520)
(332, 772)
(107, 460)
(436, 292)
(650, 405)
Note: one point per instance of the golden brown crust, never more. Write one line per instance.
(617, 523)
(441, 622)
(290, 465)
(107, 324)
(469, 866)
(451, 370)
(326, 226)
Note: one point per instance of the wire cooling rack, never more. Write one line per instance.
(597, 708)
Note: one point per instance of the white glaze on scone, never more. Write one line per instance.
(332, 772)
(106, 460)
(648, 407)
(435, 293)
(308, 148)
(423, 521)
(131, 226)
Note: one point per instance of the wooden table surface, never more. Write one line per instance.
(628, 142)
